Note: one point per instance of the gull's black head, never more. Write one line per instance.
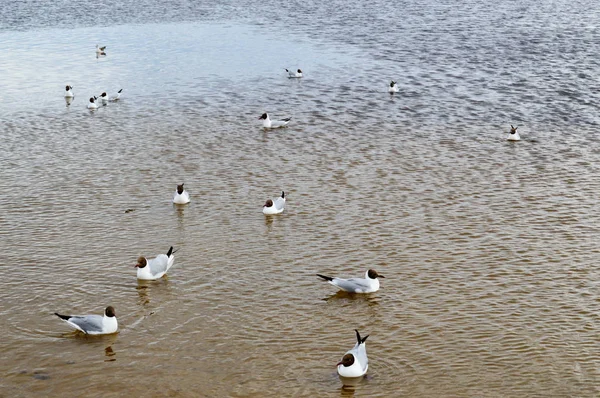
(263, 116)
(109, 311)
(347, 360)
(373, 274)
(180, 189)
(141, 262)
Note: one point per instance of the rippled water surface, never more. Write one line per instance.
(489, 247)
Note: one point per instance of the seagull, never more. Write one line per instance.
(368, 284)
(273, 124)
(513, 136)
(93, 324)
(393, 87)
(155, 268)
(116, 97)
(292, 74)
(104, 98)
(69, 92)
(275, 207)
(92, 105)
(100, 50)
(181, 196)
(355, 363)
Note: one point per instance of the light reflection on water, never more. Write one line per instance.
(488, 247)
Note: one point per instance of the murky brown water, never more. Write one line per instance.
(489, 248)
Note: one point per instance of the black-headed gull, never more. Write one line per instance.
(292, 74)
(355, 363)
(100, 50)
(69, 92)
(275, 206)
(368, 284)
(393, 87)
(181, 196)
(513, 136)
(92, 105)
(155, 268)
(273, 124)
(104, 98)
(93, 324)
(117, 96)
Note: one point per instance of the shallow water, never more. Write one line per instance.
(489, 247)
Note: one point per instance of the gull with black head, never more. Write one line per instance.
(273, 124)
(93, 324)
(513, 135)
(368, 284)
(355, 363)
(155, 268)
(274, 206)
(181, 196)
(292, 74)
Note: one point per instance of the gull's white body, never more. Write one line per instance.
(278, 206)
(292, 74)
(393, 87)
(361, 362)
(514, 137)
(156, 268)
(356, 285)
(181, 199)
(274, 124)
(93, 324)
(92, 106)
(117, 96)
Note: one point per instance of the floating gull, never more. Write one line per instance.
(181, 196)
(93, 324)
(156, 267)
(513, 136)
(292, 74)
(276, 206)
(273, 124)
(69, 92)
(355, 362)
(368, 284)
(92, 105)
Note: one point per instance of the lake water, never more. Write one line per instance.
(489, 247)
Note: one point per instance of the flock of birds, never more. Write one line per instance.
(103, 98)
(354, 362)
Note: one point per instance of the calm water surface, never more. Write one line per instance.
(489, 248)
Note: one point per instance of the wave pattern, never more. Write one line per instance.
(488, 247)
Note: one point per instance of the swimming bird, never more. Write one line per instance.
(368, 284)
(273, 124)
(69, 92)
(292, 74)
(92, 105)
(100, 50)
(104, 98)
(117, 96)
(156, 267)
(276, 206)
(93, 324)
(181, 196)
(393, 87)
(513, 136)
(355, 363)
